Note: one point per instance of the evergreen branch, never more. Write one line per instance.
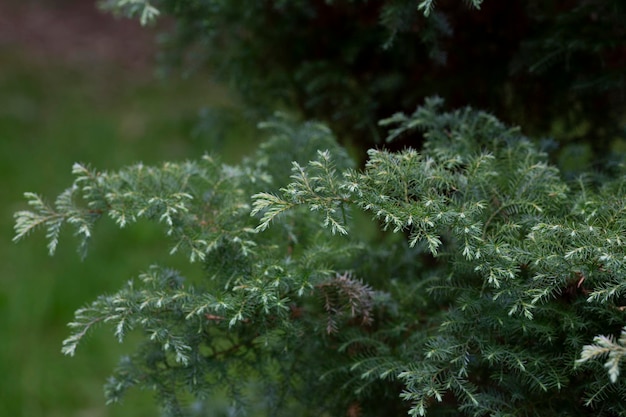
(28, 221)
(70, 343)
(143, 8)
(64, 211)
(426, 6)
(271, 206)
(316, 186)
(606, 347)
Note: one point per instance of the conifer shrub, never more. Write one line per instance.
(491, 288)
(462, 276)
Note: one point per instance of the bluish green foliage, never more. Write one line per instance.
(483, 293)
(487, 282)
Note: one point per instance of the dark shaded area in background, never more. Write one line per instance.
(554, 67)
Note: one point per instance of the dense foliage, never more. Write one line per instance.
(464, 275)
(554, 67)
(506, 275)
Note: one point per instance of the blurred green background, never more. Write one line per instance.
(79, 86)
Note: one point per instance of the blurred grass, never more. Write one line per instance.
(50, 117)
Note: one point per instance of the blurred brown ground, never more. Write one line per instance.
(75, 33)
